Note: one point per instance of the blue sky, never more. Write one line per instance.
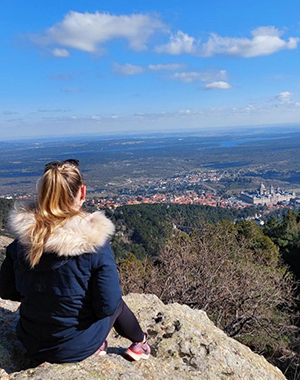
(71, 67)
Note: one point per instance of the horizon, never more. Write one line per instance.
(213, 132)
(147, 68)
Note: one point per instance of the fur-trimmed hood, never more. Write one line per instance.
(83, 233)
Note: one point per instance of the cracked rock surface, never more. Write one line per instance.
(185, 345)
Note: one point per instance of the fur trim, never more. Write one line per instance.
(80, 234)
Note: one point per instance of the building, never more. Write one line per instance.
(264, 196)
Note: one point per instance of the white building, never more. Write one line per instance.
(264, 196)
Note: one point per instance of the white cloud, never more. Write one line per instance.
(185, 112)
(63, 53)
(205, 76)
(127, 69)
(170, 66)
(265, 41)
(86, 31)
(180, 43)
(220, 85)
(284, 97)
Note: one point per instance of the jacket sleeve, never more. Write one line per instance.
(106, 291)
(7, 276)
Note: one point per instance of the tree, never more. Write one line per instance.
(244, 291)
(286, 235)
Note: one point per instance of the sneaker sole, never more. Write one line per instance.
(136, 357)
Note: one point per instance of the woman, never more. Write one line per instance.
(61, 268)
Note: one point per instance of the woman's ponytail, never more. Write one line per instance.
(58, 188)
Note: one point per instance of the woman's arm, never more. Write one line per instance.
(105, 283)
(7, 276)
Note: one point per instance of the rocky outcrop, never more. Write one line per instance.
(185, 345)
(5, 241)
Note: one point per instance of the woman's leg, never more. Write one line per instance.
(126, 324)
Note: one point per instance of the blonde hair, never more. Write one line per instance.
(58, 188)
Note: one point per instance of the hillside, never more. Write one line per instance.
(144, 229)
(232, 271)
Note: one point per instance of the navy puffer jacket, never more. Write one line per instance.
(66, 299)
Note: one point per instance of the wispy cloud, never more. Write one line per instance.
(265, 40)
(219, 85)
(254, 110)
(64, 77)
(252, 113)
(73, 90)
(61, 53)
(88, 31)
(53, 110)
(284, 97)
(17, 120)
(180, 43)
(127, 69)
(170, 66)
(9, 113)
(204, 76)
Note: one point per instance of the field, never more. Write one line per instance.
(115, 163)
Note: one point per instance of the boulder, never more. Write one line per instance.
(185, 345)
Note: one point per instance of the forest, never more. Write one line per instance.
(144, 229)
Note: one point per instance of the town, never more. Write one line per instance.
(196, 187)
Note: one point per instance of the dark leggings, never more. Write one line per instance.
(125, 323)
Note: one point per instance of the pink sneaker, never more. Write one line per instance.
(139, 350)
(102, 349)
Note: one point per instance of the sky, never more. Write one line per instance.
(114, 66)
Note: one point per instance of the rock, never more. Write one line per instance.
(185, 345)
(5, 241)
